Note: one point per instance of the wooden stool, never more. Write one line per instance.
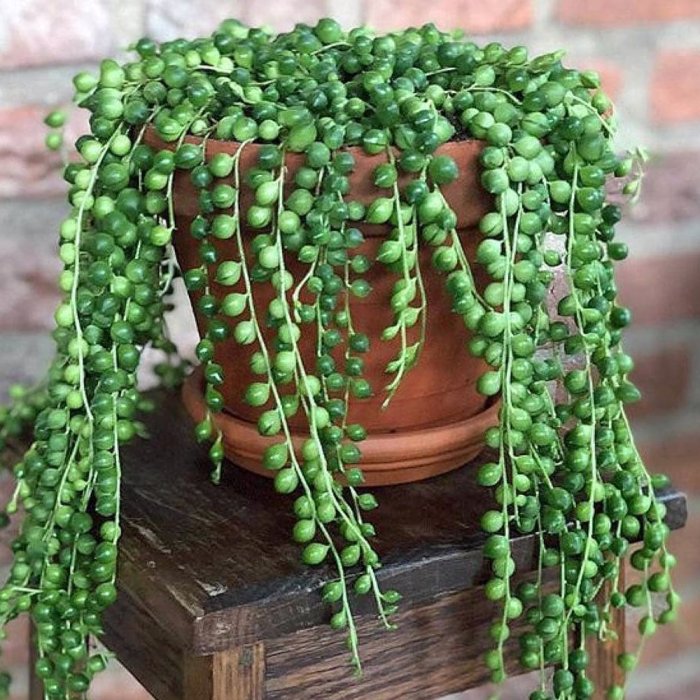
(214, 603)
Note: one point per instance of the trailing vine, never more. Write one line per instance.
(565, 465)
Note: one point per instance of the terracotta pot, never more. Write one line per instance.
(436, 419)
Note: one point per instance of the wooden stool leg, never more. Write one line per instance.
(235, 674)
(36, 691)
(604, 670)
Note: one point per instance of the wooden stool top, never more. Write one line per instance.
(217, 564)
(212, 590)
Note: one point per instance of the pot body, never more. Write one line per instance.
(438, 393)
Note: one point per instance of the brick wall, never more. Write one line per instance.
(648, 52)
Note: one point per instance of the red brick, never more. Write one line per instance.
(35, 32)
(684, 545)
(27, 168)
(669, 640)
(24, 359)
(609, 71)
(472, 15)
(6, 538)
(684, 473)
(663, 378)
(661, 288)
(613, 13)
(19, 688)
(15, 649)
(676, 453)
(166, 19)
(675, 685)
(7, 535)
(116, 683)
(675, 88)
(282, 16)
(513, 688)
(670, 190)
(28, 288)
(25, 165)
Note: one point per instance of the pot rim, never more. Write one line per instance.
(465, 194)
(223, 145)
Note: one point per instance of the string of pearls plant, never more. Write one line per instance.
(565, 464)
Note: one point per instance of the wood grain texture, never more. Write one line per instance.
(144, 644)
(36, 691)
(237, 674)
(226, 573)
(436, 649)
(198, 678)
(603, 668)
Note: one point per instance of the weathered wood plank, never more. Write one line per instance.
(229, 564)
(603, 668)
(36, 691)
(436, 649)
(238, 674)
(198, 678)
(144, 644)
